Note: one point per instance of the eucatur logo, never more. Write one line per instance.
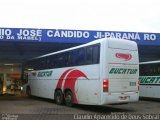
(124, 56)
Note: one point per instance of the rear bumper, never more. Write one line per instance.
(118, 98)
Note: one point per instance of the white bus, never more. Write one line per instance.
(104, 71)
(150, 79)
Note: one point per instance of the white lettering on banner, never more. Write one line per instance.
(129, 36)
(151, 37)
(39, 34)
(57, 34)
(1, 37)
(50, 33)
(32, 33)
(5, 32)
(29, 34)
(29, 38)
(10, 37)
(68, 34)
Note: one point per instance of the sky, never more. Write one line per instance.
(107, 15)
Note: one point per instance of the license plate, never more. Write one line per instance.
(123, 97)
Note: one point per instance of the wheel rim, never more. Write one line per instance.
(68, 99)
(58, 98)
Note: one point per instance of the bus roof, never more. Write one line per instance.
(150, 62)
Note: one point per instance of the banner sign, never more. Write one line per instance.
(73, 36)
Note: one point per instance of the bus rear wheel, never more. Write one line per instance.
(69, 99)
(59, 97)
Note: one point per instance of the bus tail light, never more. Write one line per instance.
(105, 85)
(138, 84)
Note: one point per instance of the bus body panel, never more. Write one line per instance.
(118, 98)
(150, 91)
(40, 85)
(150, 79)
(86, 90)
(123, 78)
(86, 81)
(122, 44)
(122, 73)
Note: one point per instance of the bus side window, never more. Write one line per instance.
(81, 56)
(39, 64)
(61, 60)
(96, 54)
(89, 55)
(67, 59)
(158, 70)
(42, 63)
(52, 64)
(55, 61)
(73, 57)
(48, 62)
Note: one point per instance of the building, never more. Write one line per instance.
(19, 44)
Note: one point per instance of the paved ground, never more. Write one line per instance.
(24, 108)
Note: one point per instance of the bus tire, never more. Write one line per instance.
(28, 91)
(69, 98)
(59, 97)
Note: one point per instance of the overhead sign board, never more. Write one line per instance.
(73, 36)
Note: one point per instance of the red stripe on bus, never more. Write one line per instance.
(71, 80)
(60, 81)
